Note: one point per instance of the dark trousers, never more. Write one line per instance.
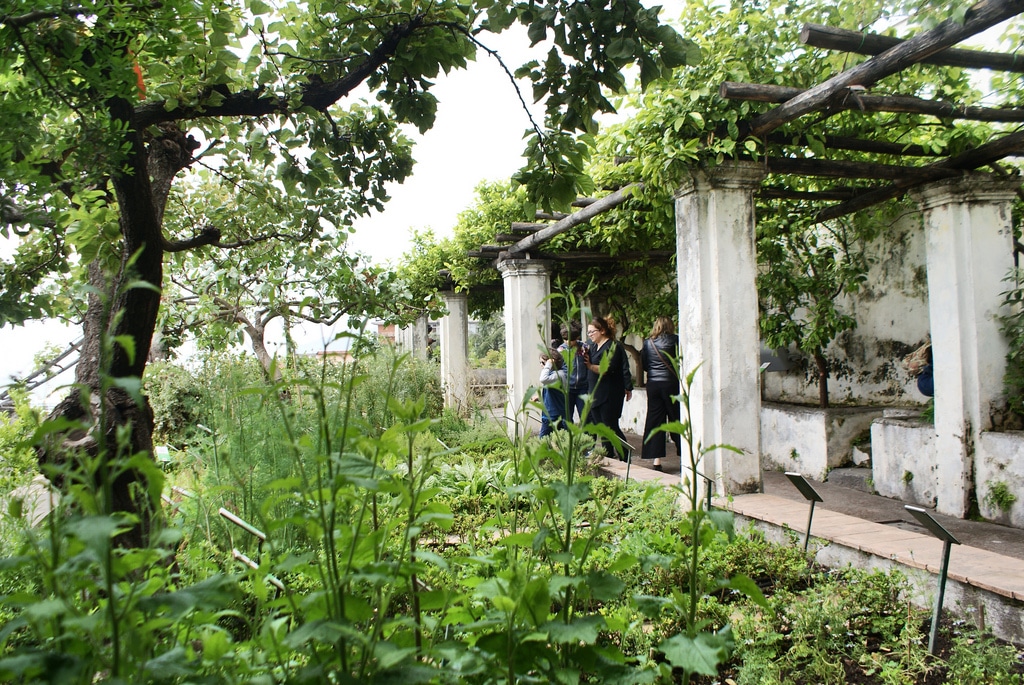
(576, 402)
(608, 414)
(662, 407)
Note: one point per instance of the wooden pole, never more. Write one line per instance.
(846, 99)
(838, 168)
(586, 214)
(878, 147)
(972, 159)
(832, 38)
(981, 16)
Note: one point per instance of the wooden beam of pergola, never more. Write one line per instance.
(579, 258)
(879, 147)
(983, 155)
(838, 168)
(526, 227)
(846, 99)
(981, 16)
(832, 38)
(830, 195)
(576, 218)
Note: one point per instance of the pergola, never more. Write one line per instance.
(966, 220)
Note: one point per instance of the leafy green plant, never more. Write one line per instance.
(978, 658)
(928, 413)
(19, 460)
(1000, 496)
(697, 649)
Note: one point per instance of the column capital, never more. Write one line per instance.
(732, 175)
(452, 296)
(970, 188)
(524, 267)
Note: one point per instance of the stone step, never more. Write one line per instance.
(854, 478)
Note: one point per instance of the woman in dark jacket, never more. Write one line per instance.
(607, 391)
(662, 387)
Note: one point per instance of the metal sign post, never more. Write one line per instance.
(709, 483)
(809, 494)
(936, 529)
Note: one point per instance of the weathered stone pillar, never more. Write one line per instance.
(969, 252)
(718, 320)
(412, 339)
(527, 322)
(454, 340)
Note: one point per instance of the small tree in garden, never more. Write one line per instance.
(288, 264)
(804, 271)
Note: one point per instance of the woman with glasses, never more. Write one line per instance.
(609, 390)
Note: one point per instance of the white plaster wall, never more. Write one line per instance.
(453, 331)
(1000, 459)
(718, 313)
(900, 447)
(527, 322)
(891, 309)
(794, 440)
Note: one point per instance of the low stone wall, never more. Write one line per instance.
(903, 459)
(810, 440)
(634, 412)
(487, 387)
(999, 477)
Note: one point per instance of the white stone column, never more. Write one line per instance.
(527, 323)
(412, 339)
(969, 252)
(718, 320)
(454, 339)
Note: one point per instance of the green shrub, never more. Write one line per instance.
(17, 458)
(976, 658)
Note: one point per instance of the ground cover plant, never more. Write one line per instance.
(402, 544)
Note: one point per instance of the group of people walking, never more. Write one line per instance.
(575, 367)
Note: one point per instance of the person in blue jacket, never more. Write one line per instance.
(576, 367)
(553, 383)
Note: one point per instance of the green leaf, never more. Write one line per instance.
(583, 630)
(568, 496)
(96, 531)
(748, 587)
(702, 654)
(127, 343)
(603, 586)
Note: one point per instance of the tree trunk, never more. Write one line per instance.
(822, 364)
(122, 307)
